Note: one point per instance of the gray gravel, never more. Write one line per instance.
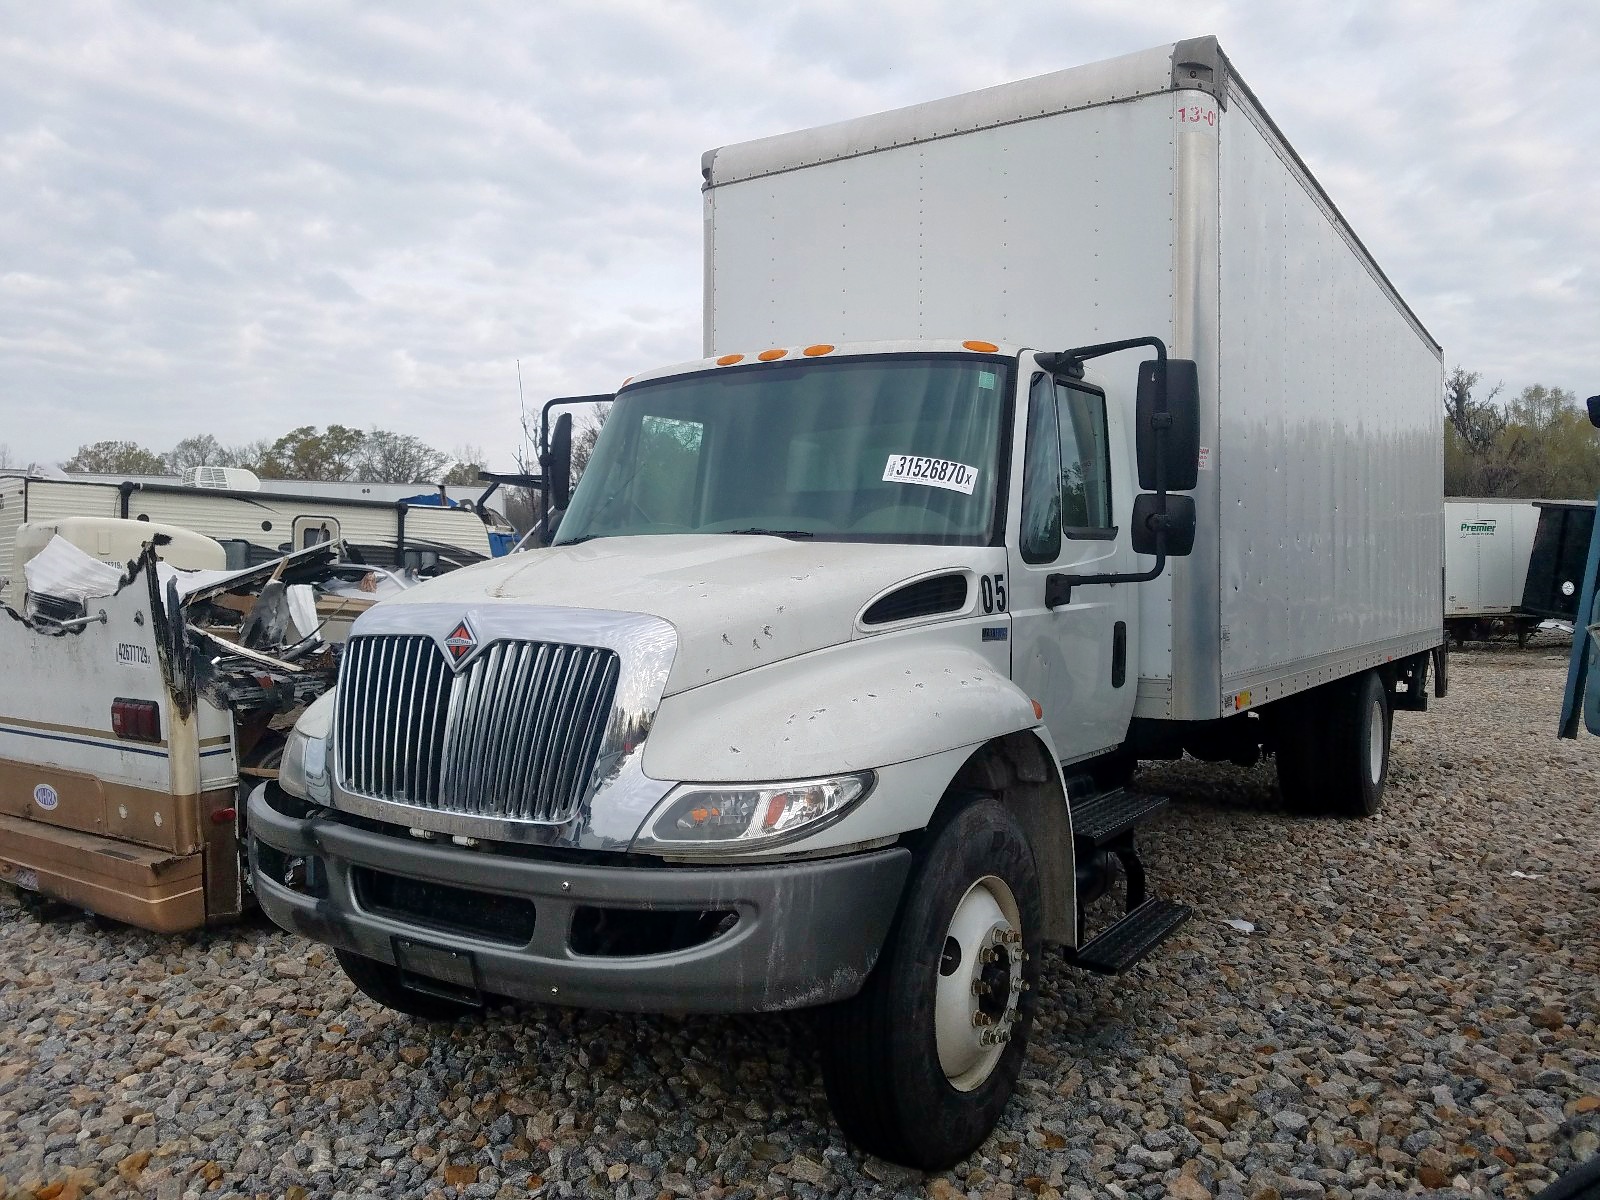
(1408, 1015)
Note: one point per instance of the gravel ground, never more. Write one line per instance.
(1416, 1010)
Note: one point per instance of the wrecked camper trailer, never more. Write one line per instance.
(138, 699)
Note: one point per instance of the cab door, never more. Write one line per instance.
(1077, 659)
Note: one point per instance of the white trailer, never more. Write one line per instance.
(1487, 545)
(255, 526)
(851, 627)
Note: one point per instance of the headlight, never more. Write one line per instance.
(303, 772)
(701, 816)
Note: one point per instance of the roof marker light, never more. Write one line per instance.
(815, 351)
(727, 360)
(771, 355)
(981, 347)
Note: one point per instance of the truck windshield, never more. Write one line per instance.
(880, 449)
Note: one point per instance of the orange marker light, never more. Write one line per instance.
(981, 347)
(771, 355)
(727, 360)
(1038, 711)
(814, 351)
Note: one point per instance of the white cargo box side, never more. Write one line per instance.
(1144, 195)
(1330, 449)
(1487, 545)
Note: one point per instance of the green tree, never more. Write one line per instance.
(304, 453)
(1557, 450)
(386, 457)
(1538, 445)
(115, 458)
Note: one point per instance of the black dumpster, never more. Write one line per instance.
(1555, 570)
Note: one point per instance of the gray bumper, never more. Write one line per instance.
(807, 932)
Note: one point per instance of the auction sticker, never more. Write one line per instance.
(931, 472)
(45, 797)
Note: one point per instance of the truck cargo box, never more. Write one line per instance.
(1486, 550)
(1149, 193)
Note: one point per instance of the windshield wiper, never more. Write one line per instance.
(792, 534)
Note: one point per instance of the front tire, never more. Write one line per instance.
(920, 1064)
(381, 982)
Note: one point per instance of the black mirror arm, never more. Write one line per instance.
(1058, 586)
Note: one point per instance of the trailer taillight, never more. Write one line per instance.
(136, 720)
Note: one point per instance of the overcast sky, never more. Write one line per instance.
(237, 219)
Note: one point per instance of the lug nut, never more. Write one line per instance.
(980, 1019)
(980, 988)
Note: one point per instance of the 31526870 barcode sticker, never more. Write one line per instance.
(931, 472)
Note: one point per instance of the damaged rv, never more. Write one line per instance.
(140, 697)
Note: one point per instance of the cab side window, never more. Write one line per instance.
(1085, 462)
(1041, 477)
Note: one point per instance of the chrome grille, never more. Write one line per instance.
(514, 734)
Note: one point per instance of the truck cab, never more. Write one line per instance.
(816, 619)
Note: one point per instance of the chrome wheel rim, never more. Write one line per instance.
(1375, 742)
(979, 983)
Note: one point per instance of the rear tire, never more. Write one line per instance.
(920, 1064)
(1298, 752)
(381, 982)
(1360, 747)
(1332, 747)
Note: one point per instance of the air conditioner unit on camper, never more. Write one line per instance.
(235, 479)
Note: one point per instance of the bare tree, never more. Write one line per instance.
(201, 450)
(387, 457)
(1476, 422)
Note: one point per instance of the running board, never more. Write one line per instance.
(1100, 820)
(1129, 939)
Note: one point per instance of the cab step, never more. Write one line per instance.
(1127, 941)
(1100, 820)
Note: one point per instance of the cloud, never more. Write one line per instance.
(237, 220)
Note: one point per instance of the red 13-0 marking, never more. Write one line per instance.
(1197, 116)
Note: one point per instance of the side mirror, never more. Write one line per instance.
(1594, 410)
(1179, 384)
(548, 536)
(1149, 518)
(558, 462)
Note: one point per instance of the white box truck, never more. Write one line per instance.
(1487, 545)
(1039, 430)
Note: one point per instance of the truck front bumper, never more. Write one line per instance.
(693, 939)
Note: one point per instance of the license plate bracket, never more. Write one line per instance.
(440, 971)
